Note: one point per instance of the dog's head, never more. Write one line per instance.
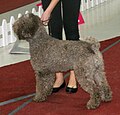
(26, 26)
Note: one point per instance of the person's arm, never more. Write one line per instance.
(52, 5)
(46, 15)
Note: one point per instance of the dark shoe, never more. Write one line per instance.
(71, 90)
(56, 89)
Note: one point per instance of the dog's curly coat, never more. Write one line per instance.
(49, 55)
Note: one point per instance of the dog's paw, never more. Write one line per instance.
(49, 93)
(106, 95)
(92, 105)
(39, 99)
(107, 98)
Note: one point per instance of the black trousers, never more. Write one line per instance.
(69, 20)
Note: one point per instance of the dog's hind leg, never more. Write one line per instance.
(90, 87)
(100, 78)
(105, 90)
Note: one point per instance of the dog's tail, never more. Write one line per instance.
(95, 45)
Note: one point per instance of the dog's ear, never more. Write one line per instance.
(15, 28)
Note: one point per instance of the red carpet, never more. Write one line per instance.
(106, 43)
(18, 79)
(7, 5)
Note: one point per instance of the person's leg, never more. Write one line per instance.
(70, 18)
(55, 30)
(55, 27)
(59, 80)
(71, 10)
(55, 24)
(72, 80)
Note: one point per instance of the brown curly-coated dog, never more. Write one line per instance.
(49, 55)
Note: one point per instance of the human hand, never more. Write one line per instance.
(45, 17)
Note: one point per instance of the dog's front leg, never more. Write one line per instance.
(40, 92)
(49, 80)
